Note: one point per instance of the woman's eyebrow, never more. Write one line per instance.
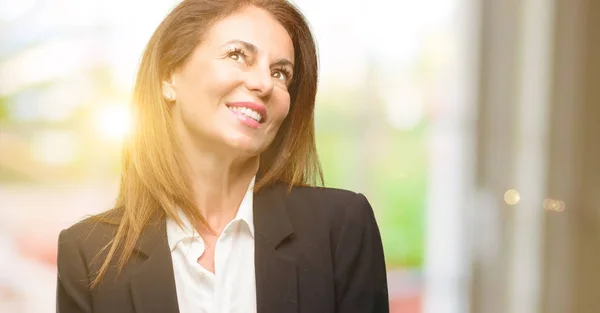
(248, 46)
(283, 62)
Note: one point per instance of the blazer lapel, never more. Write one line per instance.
(153, 285)
(276, 273)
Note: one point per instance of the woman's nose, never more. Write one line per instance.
(260, 81)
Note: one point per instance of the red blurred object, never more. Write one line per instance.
(38, 247)
(406, 304)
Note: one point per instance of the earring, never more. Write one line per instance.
(168, 96)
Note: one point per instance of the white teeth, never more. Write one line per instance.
(248, 112)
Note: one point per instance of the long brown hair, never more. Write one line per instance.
(154, 181)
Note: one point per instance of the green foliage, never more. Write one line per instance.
(3, 110)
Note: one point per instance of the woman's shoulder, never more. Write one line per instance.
(335, 203)
(80, 254)
(91, 233)
(323, 195)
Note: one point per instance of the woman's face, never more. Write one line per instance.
(232, 94)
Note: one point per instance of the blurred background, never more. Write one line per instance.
(471, 125)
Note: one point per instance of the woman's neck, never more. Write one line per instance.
(219, 183)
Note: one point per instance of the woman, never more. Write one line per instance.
(215, 211)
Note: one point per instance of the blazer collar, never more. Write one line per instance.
(153, 285)
(276, 271)
(271, 220)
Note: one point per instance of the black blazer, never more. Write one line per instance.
(317, 250)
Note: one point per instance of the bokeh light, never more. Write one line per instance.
(554, 205)
(512, 197)
(113, 122)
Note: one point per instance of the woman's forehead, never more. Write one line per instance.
(255, 26)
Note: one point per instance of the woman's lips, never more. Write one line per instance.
(256, 107)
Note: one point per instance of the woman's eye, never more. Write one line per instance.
(281, 75)
(236, 55)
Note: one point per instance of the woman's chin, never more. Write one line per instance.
(246, 146)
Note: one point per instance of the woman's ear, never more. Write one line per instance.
(168, 89)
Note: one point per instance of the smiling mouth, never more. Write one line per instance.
(251, 110)
(247, 112)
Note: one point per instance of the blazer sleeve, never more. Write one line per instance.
(72, 289)
(360, 271)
